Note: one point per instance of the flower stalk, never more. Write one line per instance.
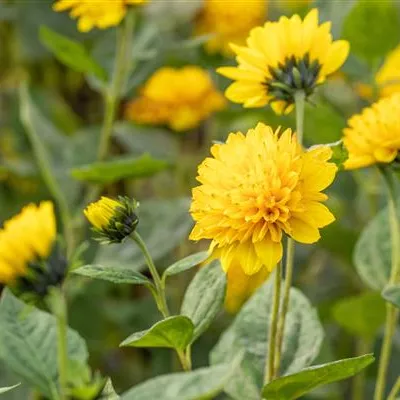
(270, 366)
(299, 99)
(392, 314)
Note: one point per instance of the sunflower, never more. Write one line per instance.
(113, 220)
(100, 14)
(373, 136)
(254, 189)
(281, 58)
(216, 18)
(26, 241)
(179, 98)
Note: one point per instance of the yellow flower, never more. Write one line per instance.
(229, 21)
(255, 188)
(281, 58)
(27, 238)
(387, 79)
(112, 220)
(179, 98)
(100, 14)
(373, 136)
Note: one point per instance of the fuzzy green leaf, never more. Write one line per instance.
(203, 383)
(204, 297)
(28, 344)
(174, 332)
(123, 168)
(249, 332)
(294, 386)
(185, 264)
(391, 293)
(71, 53)
(113, 274)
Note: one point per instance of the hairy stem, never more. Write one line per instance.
(270, 371)
(395, 390)
(290, 245)
(392, 314)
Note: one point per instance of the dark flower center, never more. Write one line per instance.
(294, 74)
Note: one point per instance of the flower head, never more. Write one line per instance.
(373, 136)
(281, 58)
(113, 220)
(179, 98)
(387, 79)
(26, 241)
(100, 14)
(217, 18)
(255, 188)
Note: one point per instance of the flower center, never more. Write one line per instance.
(291, 75)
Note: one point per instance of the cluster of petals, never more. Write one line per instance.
(100, 14)
(180, 98)
(216, 18)
(373, 136)
(25, 238)
(254, 189)
(273, 49)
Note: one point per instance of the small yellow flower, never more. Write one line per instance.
(179, 98)
(100, 14)
(387, 79)
(255, 188)
(229, 22)
(113, 220)
(373, 136)
(26, 239)
(281, 58)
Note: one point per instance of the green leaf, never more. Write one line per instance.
(292, 387)
(204, 297)
(382, 18)
(203, 383)
(372, 254)
(185, 264)
(174, 332)
(71, 53)
(249, 332)
(28, 344)
(361, 315)
(8, 388)
(123, 168)
(113, 274)
(391, 293)
(109, 392)
(163, 225)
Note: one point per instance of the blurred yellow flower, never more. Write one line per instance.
(26, 238)
(229, 22)
(387, 79)
(255, 188)
(113, 220)
(100, 14)
(373, 136)
(179, 98)
(281, 58)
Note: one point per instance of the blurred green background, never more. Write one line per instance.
(66, 109)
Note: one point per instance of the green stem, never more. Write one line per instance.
(46, 169)
(112, 96)
(160, 291)
(160, 298)
(392, 314)
(290, 245)
(270, 371)
(62, 348)
(395, 390)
